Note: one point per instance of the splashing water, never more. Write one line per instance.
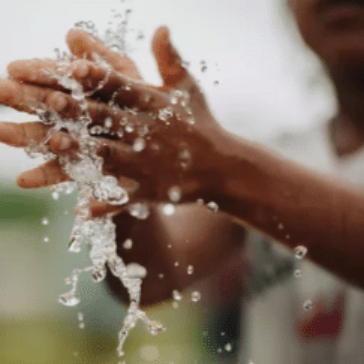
(86, 170)
(308, 305)
(300, 252)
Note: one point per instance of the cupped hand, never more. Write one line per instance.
(182, 144)
(180, 135)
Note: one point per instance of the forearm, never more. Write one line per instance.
(296, 206)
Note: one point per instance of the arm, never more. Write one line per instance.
(294, 205)
(192, 237)
(247, 181)
(281, 199)
(199, 238)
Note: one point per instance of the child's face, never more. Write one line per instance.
(334, 29)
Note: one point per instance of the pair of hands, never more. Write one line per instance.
(178, 152)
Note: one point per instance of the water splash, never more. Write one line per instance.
(308, 305)
(100, 234)
(85, 169)
(300, 252)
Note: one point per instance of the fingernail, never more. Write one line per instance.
(80, 69)
(60, 103)
(29, 179)
(65, 143)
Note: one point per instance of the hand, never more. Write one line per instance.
(30, 85)
(155, 170)
(183, 143)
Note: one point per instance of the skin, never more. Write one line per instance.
(198, 237)
(340, 46)
(251, 184)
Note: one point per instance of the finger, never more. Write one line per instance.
(125, 124)
(120, 159)
(124, 91)
(170, 66)
(48, 174)
(21, 135)
(100, 209)
(83, 45)
(35, 71)
(62, 142)
(23, 97)
(28, 98)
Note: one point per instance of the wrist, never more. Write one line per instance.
(240, 173)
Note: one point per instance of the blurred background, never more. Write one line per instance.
(261, 82)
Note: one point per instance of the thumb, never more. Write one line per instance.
(169, 62)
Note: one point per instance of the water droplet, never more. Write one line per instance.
(204, 68)
(308, 305)
(96, 130)
(298, 273)
(175, 305)
(175, 194)
(213, 206)
(70, 188)
(223, 334)
(139, 211)
(195, 296)
(176, 264)
(177, 295)
(80, 316)
(78, 94)
(128, 244)
(129, 128)
(165, 114)
(99, 273)
(191, 121)
(46, 239)
(135, 270)
(69, 299)
(219, 350)
(185, 155)
(228, 347)
(139, 145)
(55, 195)
(107, 189)
(75, 245)
(169, 209)
(161, 276)
(281, 226)
(45, 221)
(108, 122)
(49, 156)
(190, 269)
(200, 202)
(300, 252)
(81, 325)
